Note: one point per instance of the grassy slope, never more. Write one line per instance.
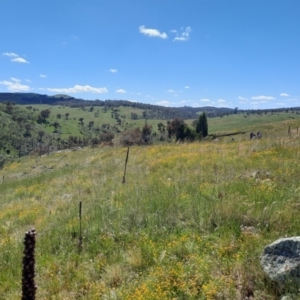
(231, 123)
(72, 126)
(190, 222)
(252, 122)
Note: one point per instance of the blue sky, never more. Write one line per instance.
(231, 53)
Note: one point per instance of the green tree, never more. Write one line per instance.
(173, 126)
(202, 127)
(161, 127)
(91, 124)
(45, 114)
(56, 126)
(41, 133)
(185, 133)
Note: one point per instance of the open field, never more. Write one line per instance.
(72, 126)
(231, 123)
(189, 223)
(252, 122)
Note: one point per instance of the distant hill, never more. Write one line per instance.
(62, 96)
(151, 111)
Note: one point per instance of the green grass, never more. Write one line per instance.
(252, 122)
(226, 124)
(190, 223)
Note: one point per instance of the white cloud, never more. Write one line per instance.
(221, 101)
(204, 100)
(15, 85)
(79, 89)
(263, 98)
(152, 32)
(186, 87)
(20, 60)
(163, 103)
(10, 54)
(120, 91)
(171, 91)
(284, 95)
(242, 98)
(113, 70)
(185, 34)
(255, 102)
(16, 58)
(43, 76)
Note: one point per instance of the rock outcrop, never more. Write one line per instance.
(281, 261)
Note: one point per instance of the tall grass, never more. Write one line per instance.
(189, 223)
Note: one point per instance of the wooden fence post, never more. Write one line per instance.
(28, 274)
(125, 165)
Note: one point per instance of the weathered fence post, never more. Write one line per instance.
(28, 274)
(125, 165)
(80, 228)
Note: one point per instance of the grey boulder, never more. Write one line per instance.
(281, 260)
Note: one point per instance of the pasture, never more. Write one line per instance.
(189, 223)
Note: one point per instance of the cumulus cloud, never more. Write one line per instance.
(242, 98)
(43, 76)
(163, 103)
(171, 91)
(186, 87)
(79, 89)
(20, 60)
(221, 101)
(113, 70)
(10, 54)
(184, 35)
(152, 32)
(263, 98)
(16, 58)
(15, 85)
(120, 91)
(204, 100)
(284, 95)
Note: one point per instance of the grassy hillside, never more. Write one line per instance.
(25, 130)
(189, 223)
(231, 123)
(72, 125)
